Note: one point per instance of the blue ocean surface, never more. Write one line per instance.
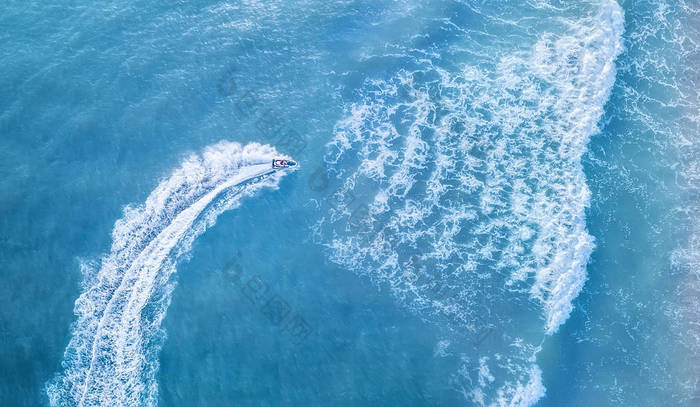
(496, 203)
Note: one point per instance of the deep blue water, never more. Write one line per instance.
(496, 203)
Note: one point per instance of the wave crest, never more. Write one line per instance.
(472, 182)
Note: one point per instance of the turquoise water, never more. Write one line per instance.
(496, 203)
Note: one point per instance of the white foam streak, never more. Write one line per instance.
(112, 356)
(586, 94)
(477, 181)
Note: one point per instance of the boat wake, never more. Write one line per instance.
(112, 356)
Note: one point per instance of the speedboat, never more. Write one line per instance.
(283, 163)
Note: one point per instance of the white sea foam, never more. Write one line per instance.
(112, 355)
(523, 388)
(474, 181)
(678, 59)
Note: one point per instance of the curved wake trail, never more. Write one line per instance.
(111, 358)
